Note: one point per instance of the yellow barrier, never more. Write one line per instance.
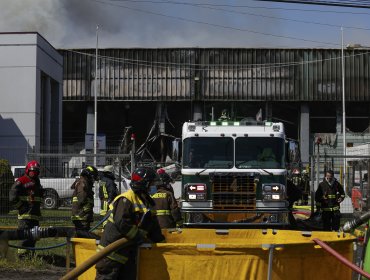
(236, 254)
(84, 249)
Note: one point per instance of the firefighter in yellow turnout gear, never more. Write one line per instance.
(129, 218)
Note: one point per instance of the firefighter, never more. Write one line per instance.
(167, 210)
(297, 178)
(328, 197)
(132, 218)
(83, 198)
(107, 189)
(166, 180)
(26, 194)
(356, 199)
(306, 187)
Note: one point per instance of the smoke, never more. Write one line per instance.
(72, 23)
(128, 23)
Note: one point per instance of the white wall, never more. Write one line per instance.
(24, 58)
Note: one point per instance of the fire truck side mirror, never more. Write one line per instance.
(176, 150)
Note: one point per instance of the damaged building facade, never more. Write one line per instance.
(155, 90)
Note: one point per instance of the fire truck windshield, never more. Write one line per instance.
(259, 152)
(218, 152)
(208, 152)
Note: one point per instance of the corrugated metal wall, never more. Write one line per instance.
(216, 74)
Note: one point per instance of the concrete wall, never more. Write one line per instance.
(26, 61)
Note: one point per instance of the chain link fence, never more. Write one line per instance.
(58, 172)
(351, 171)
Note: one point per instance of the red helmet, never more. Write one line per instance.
(165, 178)
(296, 171)
(142, 178)
(33, 168)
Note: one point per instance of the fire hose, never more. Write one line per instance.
(350, 225)
(36, 233)
(118, 244)
(340, 258)
(77, 271)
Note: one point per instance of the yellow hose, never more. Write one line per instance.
(77, 271)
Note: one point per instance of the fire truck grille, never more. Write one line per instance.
(233, 192)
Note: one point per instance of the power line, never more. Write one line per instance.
(281, 18)
(348, 4)
(244, 6)
(216, 25)
(217, 8)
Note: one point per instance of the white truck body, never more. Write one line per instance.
(56, 189)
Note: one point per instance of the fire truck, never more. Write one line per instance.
(234, 173)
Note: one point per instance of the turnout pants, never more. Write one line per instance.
(108, 269)
(331, 220)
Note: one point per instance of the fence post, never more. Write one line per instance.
(312, 184)
(132, 154)
(318, 169)
(368, 186)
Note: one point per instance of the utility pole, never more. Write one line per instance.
(344, 119)
(95, 97)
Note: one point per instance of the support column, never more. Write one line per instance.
(90, 118)
(197, 112)
(161, 118)
(304, 134)
(268, 112)
(47, 114)
(339, 118)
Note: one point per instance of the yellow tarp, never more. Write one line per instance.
(83, 249)
(237, 254)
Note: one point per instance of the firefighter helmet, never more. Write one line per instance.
(108, 169)
(142, 178)
(164, 177)
(34, 167)
(296, 171)
(91, 172)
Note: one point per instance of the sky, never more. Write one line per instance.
(185, 23)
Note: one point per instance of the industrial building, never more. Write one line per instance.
(162, 88)
(300, 87)
(31, 79)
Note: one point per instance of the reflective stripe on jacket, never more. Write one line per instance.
(327, 195)
(26, 195)
(82, 200)
(168, 212)
(107, 192)
(103, 197)
(127, 210)
(138, 205)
